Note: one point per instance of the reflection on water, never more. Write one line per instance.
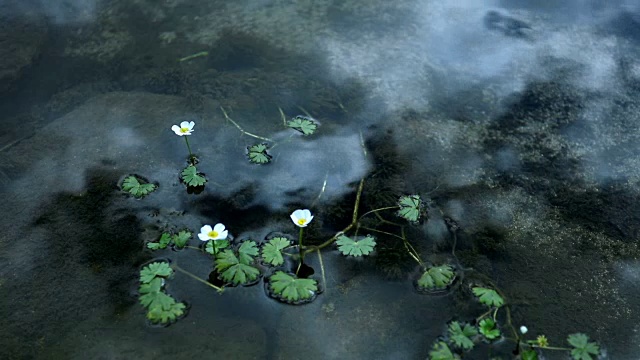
(517, 124)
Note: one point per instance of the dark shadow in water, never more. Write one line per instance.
(88, 261)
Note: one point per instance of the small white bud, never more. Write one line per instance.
(523, 329)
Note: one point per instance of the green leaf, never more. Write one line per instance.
(132, 185)
(488, 329)
(154, 285)
(582, 348)
(181, 238)
(159, 315)
(529, 355)
(461, 336)
(272, 250)
(488, 297)
(214, 246)
(436, 278)
(156, 300)
(348, 246)
(233, 271)
(247, 251)
(410, 207)
(149, 272)
(161, 244)
(191, 177)
(291, 288)
(258, 154)
(441, 351)
(303, 124)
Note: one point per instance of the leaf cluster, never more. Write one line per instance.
(179, 240)
(161, 307)
(213, 247)
(191, 177)
(488, 328)
(290, 288)
(236, 267)
(436, 278)
(351, 247)
(303, 124)
(441, 351)
(133, 186)
(460, 335)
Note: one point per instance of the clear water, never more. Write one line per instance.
(521, 127)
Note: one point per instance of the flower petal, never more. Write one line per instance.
(191, 125)
(223, 235)
(219, 228)
(306, 214)
(309, 219)
(203, 237)
(184, 124)
(299, 214)
(206, 229)
(294, 218)
(176, 129)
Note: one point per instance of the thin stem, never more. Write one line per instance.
(192, 247)
(354, 221)
(240, 128)
(196, 277)
(414, 254)
(549, 347)
(300, 251)
(284, 118)
(186, 139)
(324, 280)
(376, 210)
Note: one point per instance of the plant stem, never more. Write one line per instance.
(186, 139)
(196, 277)
(300, 251)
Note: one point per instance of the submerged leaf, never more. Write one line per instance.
(272, 250)
(149, 272)
(488, 297)
(258, 154)
(461, 336)
(291, 288)
(348, 246)
(233, 271)
(132, 185)
(191, 177)
(436, 278)
(154, 285)
(441, 351)
(488, 329)
(156, 300)
(410, 207)
(303, 124)
(582, 348)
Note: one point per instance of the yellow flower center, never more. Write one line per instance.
(184, 130)
(213, 234)
(301, 221)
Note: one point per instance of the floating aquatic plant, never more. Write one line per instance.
(191, 177)
(272, 250)
(135, 187)
(351, 247)
(488, 297)
(441, 351)
(215, 246)
(161, 308)
(258, 154)
(460, 335)
(410, 207)
(303, 124)
(179, 240)
(236, 267)
(489, 329)
(291, 289)
(436, 278)
(164, 241)
(218, 232)
(582, 348)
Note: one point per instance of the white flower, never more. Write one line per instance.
(185, 128)
(523, 329)
(301, 217)
(217, 233)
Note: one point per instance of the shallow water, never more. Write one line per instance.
(521, 129)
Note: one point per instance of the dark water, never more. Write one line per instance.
(517, 122)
